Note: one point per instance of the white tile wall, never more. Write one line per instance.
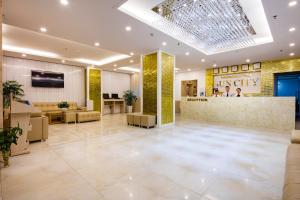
(20, 70)
(115, 82)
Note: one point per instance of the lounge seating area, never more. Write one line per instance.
(73, 113)
(291, 187)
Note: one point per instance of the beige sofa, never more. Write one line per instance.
(291, 189)
(39, 130)
(88, 116)
(53, 106)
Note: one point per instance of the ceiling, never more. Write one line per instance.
(80, 24)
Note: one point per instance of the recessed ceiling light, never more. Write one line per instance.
(43, 29)
(187, 53)
(215, 65)
(97, 44)
(164, 44)
(292, 54)
(177, 69)
(189, 70)
(24, 55)
(63, 61)
(292, 3)
(131, 61)
(64, 2)
(115, 69)
(248, 60)
(115, 65)
(202, 60)
(128, 28)
(131, 53)
(292, 44)
(292, 29)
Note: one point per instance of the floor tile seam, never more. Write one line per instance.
(81, 177)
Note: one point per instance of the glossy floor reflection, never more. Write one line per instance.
(110, 161)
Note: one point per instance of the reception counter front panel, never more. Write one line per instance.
(257, 112)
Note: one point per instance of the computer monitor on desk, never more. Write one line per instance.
(115, 96)
(105, 96)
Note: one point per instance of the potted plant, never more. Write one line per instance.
(63, 105)
(129, 98)
(11, 89)
(8, 136)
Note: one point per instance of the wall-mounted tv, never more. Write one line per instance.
(47, 79)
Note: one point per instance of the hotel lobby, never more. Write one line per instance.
(150, 100)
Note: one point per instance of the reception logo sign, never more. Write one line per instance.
(248, 82)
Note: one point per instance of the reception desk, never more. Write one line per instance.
(257, 112)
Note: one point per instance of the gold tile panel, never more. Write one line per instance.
(150, 84)
(95, 88)
(167, 88)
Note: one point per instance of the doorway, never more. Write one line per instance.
(287, 85)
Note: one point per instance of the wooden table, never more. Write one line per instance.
(55, 117)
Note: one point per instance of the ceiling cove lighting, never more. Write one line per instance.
(129, 69)
(29, 51)
(103, 61)
(292, 29)
(43, 29)
(209, 26)
(64, 2)
(292, 3)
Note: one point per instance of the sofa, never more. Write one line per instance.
(39, 127)
(291, 189)
(53, 106)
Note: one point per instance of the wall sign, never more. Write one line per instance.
(248, 82)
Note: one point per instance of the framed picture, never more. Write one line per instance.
(234, 68)
(224, 69)
(245, 67)
(257, 65)
(216, 70)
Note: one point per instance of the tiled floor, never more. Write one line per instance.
(108, 160)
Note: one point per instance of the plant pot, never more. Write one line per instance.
(129, 109)
(5, 155)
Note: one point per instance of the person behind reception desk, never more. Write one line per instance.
(227, 92)
(215, 92)
(239, 92)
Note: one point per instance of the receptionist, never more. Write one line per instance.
(239, 92)
(215, 92)
(227, 92)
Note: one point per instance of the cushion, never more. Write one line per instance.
(295, 137)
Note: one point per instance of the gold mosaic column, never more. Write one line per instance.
(158, 86)
(94, 87)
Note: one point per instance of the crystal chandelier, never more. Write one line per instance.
(218, 24)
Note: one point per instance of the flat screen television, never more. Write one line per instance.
(47, 79)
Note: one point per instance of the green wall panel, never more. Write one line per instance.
(167, 89)
(95, 88)
(150, 84)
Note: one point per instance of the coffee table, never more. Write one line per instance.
(55, 117)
